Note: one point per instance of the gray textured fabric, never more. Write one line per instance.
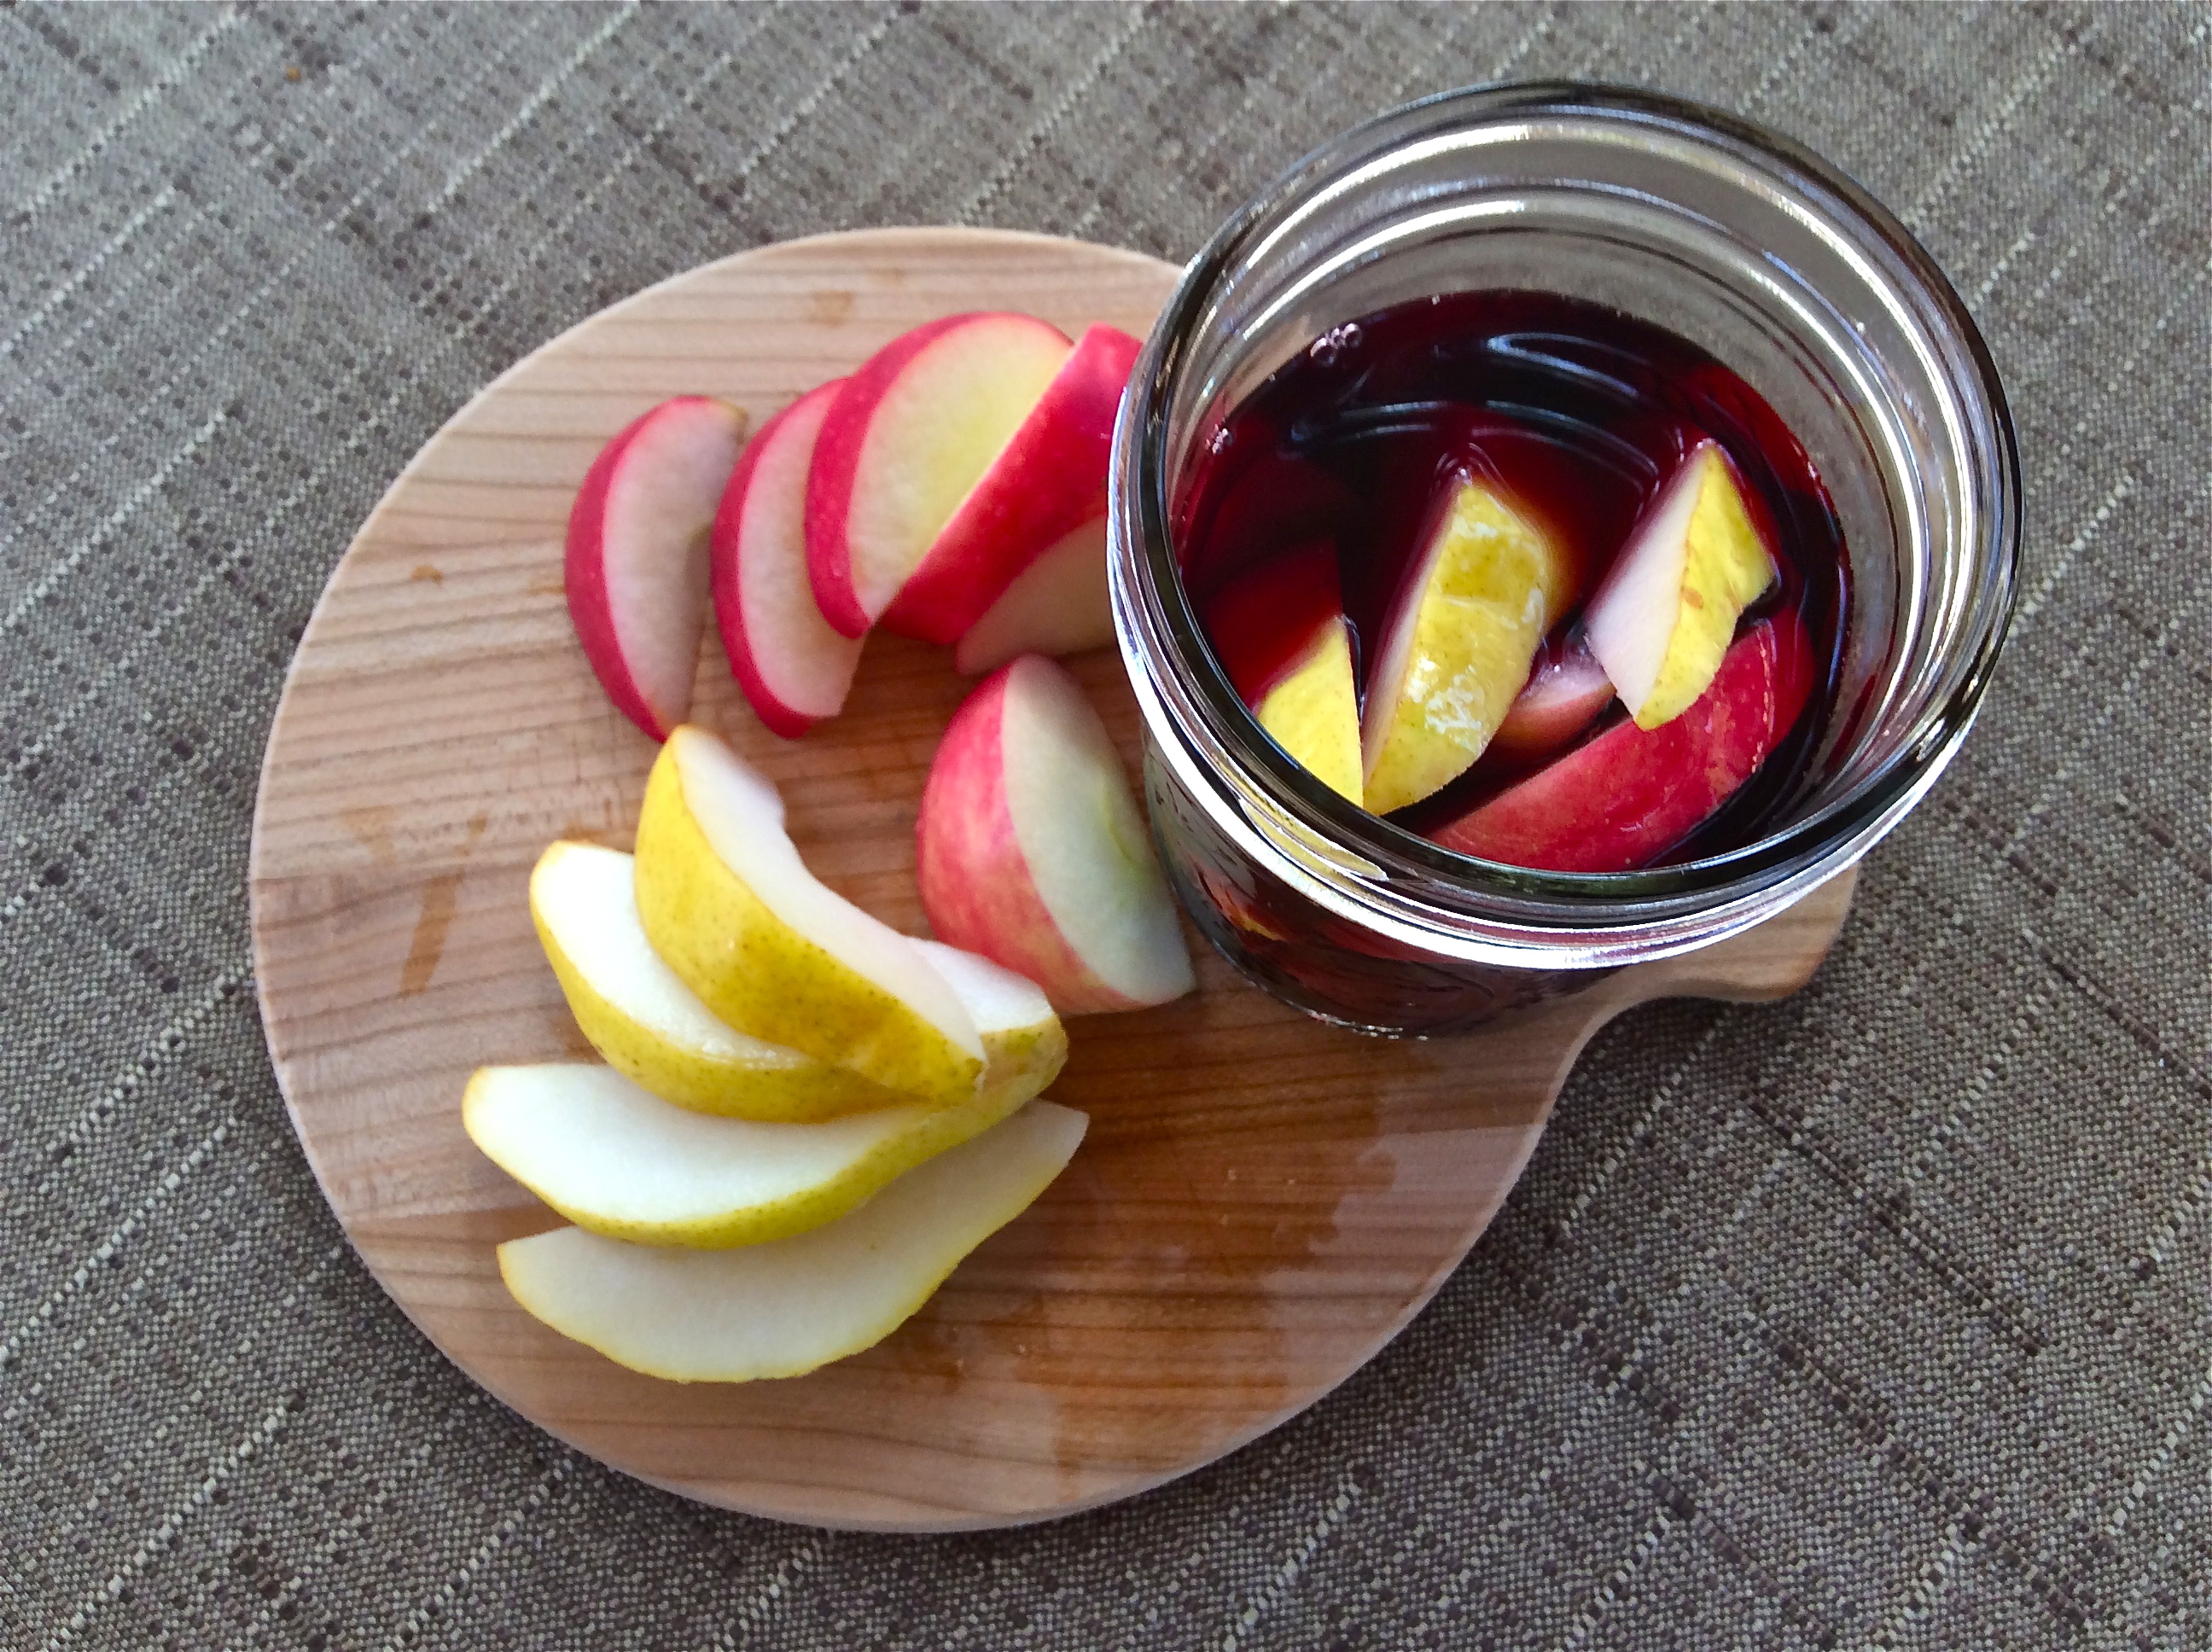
(1880, 1318)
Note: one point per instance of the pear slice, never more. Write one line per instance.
(1666, 610)
(728, 905)
(612, 1158)
(1456, 647)
(1279, 633)
(786, 1307)
(652, 1028)
(1312, 711)
(1025, 1045)
(649, 1025)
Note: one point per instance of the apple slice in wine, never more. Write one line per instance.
(1623, 798)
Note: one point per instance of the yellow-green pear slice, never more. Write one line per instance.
(612, 1158)
(1667, 610)
(647, 1023)
(789, 1306)
(1458, 644)
(727, 903)
(1312, 711)
(1025, 1045)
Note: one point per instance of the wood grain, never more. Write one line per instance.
(1262, 1200)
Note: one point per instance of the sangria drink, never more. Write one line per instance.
(1544, 583)
(1553, 527)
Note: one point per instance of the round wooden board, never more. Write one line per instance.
(1262, 1201)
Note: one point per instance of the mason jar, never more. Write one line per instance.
(1752, 248)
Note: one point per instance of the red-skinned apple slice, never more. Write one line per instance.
(1032, 852)
(635, 571)
(1565, 691)
(794, 667)
(1056, 605)
(905, 442)
(1048, 481)
(1623, 799)
(1278, 629)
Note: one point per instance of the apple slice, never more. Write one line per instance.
(905, 442)
(1662, 618)
(795, 668)
(1048, 481)
(612, 1158)
(1458, 642)
(1058, 605)
(727, 903)
(1565, 691)
(635, 571)
(1628, 796)
(791, 1305)
(1032, 851)
(649, 1025)
(1279, 632)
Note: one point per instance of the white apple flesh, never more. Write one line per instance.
(1059, 604)
(636, 570)
(794, 666)
(1563, 695)
(1048, 481)
(1031, 850)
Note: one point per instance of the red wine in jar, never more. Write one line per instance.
(1579, 415)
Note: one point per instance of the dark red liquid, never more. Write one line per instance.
(1580, 412)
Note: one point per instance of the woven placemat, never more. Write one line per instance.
(1882, 1317)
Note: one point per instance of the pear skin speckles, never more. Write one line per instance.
(763, 977)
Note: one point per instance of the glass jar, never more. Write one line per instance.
(1739, 240)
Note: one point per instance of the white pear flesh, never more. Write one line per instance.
(1667, 611)
(1025, 1045)
(790, 1306)
(1456, 647)
(620, 1161)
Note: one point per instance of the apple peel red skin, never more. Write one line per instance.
(1048, 481)
(975, 882)
(737, 642)
(1623, 798)
(583, 574)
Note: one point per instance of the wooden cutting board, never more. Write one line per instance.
(1262, 1201)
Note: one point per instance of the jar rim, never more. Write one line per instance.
(1799, 853)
